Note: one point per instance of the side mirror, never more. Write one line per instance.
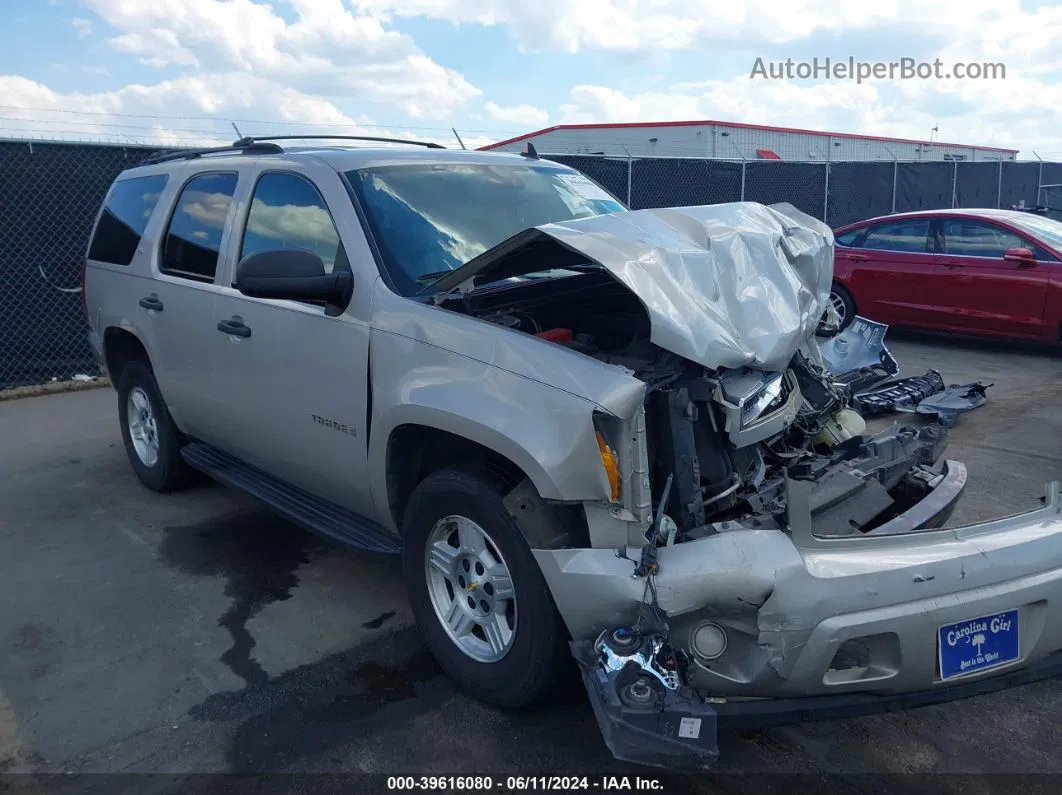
(293, 275)
(1022, 256)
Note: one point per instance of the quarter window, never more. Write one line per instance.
(193, 238)
(288, 212)
(124, 218)
(978, 239)
(906, 236)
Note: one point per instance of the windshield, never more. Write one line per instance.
(432, 218)
(1046, 229)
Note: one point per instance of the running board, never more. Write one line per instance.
(312, 513)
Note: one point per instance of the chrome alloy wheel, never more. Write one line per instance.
(470, 588)
(839, 307)
(140, 417)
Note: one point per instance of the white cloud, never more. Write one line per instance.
(188, 111)
(648, 26)
(737, 99)
(82, 26)
(525, 115)
(326, 50)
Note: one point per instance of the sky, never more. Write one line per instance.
(184, 71)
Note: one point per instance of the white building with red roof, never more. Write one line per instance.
(732, 141)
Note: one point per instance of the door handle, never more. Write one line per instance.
(151, 302)
(953, 265)
(858, 257)
(235, 326)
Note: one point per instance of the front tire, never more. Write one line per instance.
(152, 441)
(477, 593)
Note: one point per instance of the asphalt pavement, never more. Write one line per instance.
(198, 633)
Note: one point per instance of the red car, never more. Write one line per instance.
(990, 272)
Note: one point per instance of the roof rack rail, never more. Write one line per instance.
(189, 154)
(250, 140)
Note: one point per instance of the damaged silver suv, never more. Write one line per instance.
(587, 431)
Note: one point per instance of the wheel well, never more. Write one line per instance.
(416, 451)
(119, 347)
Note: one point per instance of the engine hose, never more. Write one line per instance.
(725, 493)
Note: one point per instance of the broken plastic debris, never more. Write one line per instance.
(953, 401)
(903, 394)
(83, 377)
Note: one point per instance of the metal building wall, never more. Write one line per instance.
(741, 143)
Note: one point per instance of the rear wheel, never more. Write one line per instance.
(477, 592)
(152, 442)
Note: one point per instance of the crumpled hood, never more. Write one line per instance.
(725, 285)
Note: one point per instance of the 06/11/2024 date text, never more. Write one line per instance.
(522, 783)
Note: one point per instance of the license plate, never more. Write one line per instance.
(978, 644)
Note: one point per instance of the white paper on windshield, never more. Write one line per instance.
(584, 188)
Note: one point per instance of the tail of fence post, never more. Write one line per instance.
(826, 194)
(999, 187)
(742, 180)
(630, 167)
(895, 174)
(954, 183)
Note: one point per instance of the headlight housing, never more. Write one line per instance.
(769, 396)
(756, 405)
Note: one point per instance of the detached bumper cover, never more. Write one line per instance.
(857, 356)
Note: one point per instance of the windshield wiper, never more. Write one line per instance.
(428, 278)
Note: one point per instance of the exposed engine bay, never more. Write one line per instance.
(728, 439)
(725, 446)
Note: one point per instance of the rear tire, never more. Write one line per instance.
(454, 521)
(151, 439)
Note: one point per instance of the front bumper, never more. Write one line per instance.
(791, 605)
(682, 733)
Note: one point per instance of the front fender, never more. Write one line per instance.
(548, 433)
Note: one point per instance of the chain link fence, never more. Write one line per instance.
(837, 192)
(50, 194)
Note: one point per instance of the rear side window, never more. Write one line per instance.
(193, 238)
(906, 236)
(124, 218)
(848, 238)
